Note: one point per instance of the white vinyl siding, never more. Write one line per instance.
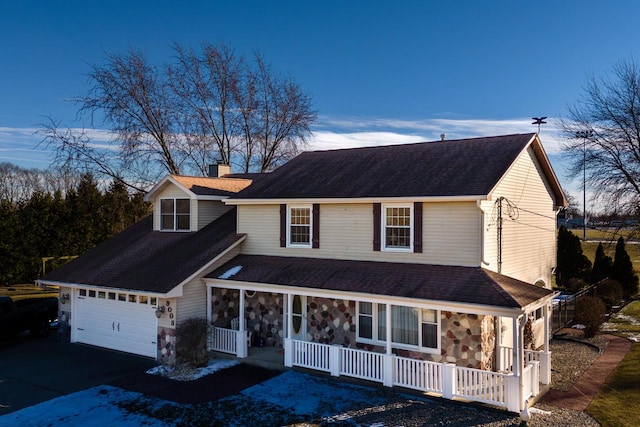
(209, 211)
(193, 302)
(528, 238)
(450, 233)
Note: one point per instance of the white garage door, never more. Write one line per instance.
(115, 320)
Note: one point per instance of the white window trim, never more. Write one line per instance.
(175, 215)
(378, 342)
(383, 245)
(299, 245)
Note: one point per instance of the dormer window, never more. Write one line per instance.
(175, 214)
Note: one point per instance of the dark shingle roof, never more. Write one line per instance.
(443, 168)
(145, 260)
(472, 285)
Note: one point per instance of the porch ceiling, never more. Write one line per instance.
(473, 285)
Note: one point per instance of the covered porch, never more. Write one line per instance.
(333, 332)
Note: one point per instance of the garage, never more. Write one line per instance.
(115, 320)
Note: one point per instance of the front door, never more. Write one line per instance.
(299, 317)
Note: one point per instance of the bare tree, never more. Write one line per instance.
(207, 86)
(208, 106)
(603, 136)
(283, 114)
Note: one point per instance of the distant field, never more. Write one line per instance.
(609, 238)
(18, 292)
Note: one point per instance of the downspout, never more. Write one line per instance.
(483, 261)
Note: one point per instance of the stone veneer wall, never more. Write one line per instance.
(167, 346)
(468, 340)
(263, 313)
(331, 321)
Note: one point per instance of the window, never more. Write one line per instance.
(397, 227)
(175, 214)
(299, 228)
(411, 327)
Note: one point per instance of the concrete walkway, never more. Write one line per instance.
(580, 395)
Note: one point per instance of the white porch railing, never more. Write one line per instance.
(446, 379)
(505, 359)
(311, 355)
(417, 374)
(481, 386)
(361, 364)
(532, 356)
(223, 340)
(450, 381)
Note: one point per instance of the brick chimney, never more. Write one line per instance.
(218, 170)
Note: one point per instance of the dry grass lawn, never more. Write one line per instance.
(618, 402)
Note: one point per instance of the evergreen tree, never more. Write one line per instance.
(571, 262)
(622, 270)
(602, 265)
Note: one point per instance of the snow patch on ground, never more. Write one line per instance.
(321, 397)
(96, 406)
(188, 373)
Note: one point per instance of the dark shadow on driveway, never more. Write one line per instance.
(225, 382)
(36, 370)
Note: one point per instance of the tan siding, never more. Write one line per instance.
(193, 302)
(451, 235)
(529, 230)
(209, 210)
(171, 192)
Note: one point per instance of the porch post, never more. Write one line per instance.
(288, 342)
(242, 344)
(515, 348)
(545, 356)
(210, 330)
(387, 381)
(522, 320)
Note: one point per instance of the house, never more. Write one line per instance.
(426, 266)
(130, 292)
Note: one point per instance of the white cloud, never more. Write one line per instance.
(354, 132)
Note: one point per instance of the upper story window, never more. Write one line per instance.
(411, 327)
(397, 227)
(299, 227)
(175, 214)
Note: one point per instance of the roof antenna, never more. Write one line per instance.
(538, 121)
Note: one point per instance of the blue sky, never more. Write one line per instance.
(379, 72)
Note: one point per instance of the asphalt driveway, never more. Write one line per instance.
(36, 370)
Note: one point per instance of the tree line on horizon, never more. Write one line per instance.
(56, 220)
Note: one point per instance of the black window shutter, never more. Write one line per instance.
(377, 224)
(283, 226)
(417, 227)
(315, 240)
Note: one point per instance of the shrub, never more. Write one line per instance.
(622, 270)
(575, 285)
(610, 291)
(590, 312)
(191, 345)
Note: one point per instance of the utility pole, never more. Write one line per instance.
(584, 134)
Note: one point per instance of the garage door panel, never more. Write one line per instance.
(118, 325)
